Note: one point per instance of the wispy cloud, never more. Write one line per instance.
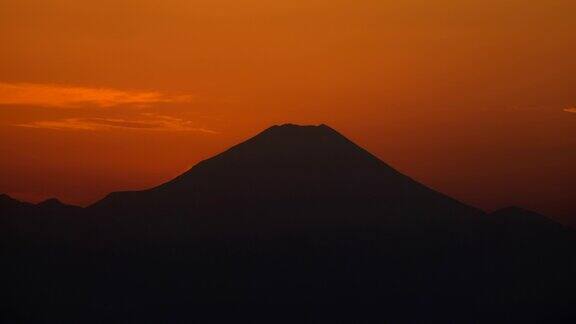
(570, 110)
(62, 96)
(146, 122)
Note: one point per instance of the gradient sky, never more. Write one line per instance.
(473, 98)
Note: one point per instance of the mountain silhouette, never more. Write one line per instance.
(54, 203)
(289, 176)
(297, 224)
(288, 162)
(7, 202)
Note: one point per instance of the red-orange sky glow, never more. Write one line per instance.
(474, 98)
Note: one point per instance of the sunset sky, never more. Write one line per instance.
(474, 98)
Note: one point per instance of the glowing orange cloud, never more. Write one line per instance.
(147, 121)
(62, 96)
(570, 110)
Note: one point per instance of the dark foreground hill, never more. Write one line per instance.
(295, 225)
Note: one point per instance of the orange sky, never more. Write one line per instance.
(474, 98)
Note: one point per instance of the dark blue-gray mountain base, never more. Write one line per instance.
(296, 225)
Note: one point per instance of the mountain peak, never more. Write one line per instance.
(51, 203)
(296, 126)
(296, 147)
(303, 141)
(299, 131)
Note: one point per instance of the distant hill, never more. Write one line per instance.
(7, 202)
(54, 203)
(295, 225)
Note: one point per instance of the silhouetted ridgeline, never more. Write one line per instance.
(295, 225)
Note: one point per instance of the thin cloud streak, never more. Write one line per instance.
(149, 122)
(570, 110)
(62, 96)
